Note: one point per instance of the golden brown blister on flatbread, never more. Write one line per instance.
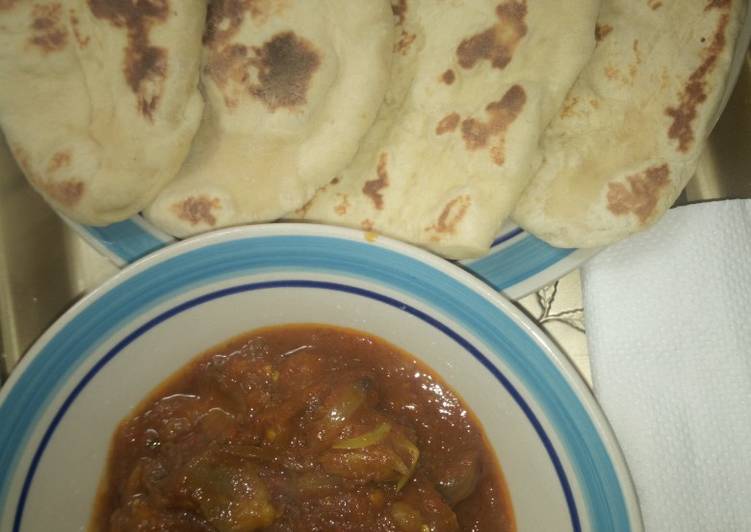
(473, 86)
(291, 87)
(630, 133)
(99, 99)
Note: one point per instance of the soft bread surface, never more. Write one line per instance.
(630, 133)
(474, 84)
(291, 87)
(99, 100)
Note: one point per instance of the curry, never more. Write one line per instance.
(302, 428)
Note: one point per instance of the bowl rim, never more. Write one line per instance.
(566, 369)
(516, 264)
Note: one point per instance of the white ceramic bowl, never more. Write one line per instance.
(60, 407)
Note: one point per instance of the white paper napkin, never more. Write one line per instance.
(668, 317)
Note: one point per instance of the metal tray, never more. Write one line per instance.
(45, 266)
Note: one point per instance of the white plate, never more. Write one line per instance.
(564, 469)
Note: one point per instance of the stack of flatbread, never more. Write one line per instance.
(99, 100)
(291, 87)
(431, 121)
(457, 138)
(629, 135)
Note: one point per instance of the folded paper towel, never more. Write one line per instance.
(669, 332)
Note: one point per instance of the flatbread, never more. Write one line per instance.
(291, 88)
(475, 84)
(99, 99)
(630, 133)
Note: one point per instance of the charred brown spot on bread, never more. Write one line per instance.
(694, 92)
(67, 192)
(405, 41)
(303, 211)
(501, 115)
(448, 77)
(451, 215)
(640, 193)
(48, 31)
(197, 209)
(475, 133)
(75, 24)
(567, 109)
(343, 205)
(145, 66)
(627, 78)
(286, 65)
(373, 188)
(399, 9)
(331, 183)
(284, 68)
(602, 31)
(60, 160)
(498, 43)
(654, 4)
(229, 63)
(448, 124)
(224, 17)
(633, 68)
(223, 20)
(367, 225)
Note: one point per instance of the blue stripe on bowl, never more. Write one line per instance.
(126, 240)
(517, 262)
(545, 439)
(502, 269)
(45, 373)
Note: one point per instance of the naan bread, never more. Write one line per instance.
(475, 83)
(629, 135)
(99, 99)
(291, 88)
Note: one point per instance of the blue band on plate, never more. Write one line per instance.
(544, 438)
(503, 268)
(516, 263)
(123, 303)
(126, 240)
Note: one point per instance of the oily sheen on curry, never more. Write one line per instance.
(303, 427)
